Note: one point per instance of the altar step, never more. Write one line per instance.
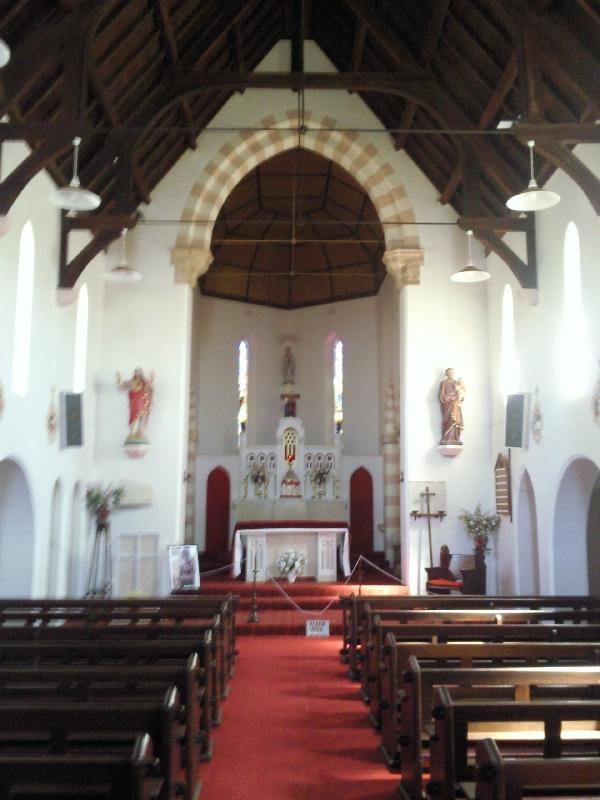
(278, 613)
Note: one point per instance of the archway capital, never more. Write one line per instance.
(404, 265)
(190, 263)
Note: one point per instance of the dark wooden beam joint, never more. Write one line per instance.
(70, 271)
(486, 229)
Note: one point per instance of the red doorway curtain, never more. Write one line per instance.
(217, 512)
(361, 513)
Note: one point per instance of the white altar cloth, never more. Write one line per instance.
(319, 545)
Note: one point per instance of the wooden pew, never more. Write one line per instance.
(452, 717)
(138, 654)
(174, 610)
(352, 606)
(210, 649)
(412, 669)
(85, 682)
(26, 727)
(375, 662)
(101, 776)
(503, 778)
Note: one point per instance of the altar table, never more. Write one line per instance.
(318, 544)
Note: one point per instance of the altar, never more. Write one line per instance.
(321, 544)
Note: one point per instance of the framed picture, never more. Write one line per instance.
(71, 422)
(184, 569)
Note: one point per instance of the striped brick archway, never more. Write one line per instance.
(191, 254)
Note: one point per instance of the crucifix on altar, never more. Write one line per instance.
(425, 499)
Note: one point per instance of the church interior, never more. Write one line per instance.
(296, 296)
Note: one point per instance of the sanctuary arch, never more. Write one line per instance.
(191, 255)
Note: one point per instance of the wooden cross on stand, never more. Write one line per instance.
(429, 515)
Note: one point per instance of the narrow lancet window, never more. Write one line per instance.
(243, 386)
(338, 386)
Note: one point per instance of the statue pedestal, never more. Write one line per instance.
(449, 450)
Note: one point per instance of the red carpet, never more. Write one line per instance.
(294, 729)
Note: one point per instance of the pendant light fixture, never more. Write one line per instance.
(532, 198)
(123, 272)
(4, 53)
(73, 197)
(470, 273)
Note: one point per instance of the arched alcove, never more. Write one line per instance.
(571, 562)
(217, 512)
(77, 549)
(54, 548)
(527, 538)
(593, 540)
(361, 513)
(16, 531)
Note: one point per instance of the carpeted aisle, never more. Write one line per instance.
(293, 728)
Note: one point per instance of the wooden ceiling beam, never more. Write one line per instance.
(380, 28)
(592, 12)
(563, 158)
(358, 45)
(437, 21)
(70, 271)
(297, 35)
(100, 222)
(169, 40)
(565, 132)
(494, 104)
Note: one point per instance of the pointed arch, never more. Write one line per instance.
(527, 538)
(16, 531)
(218, 493)
(348, 149)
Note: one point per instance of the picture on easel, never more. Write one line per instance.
(184, 569)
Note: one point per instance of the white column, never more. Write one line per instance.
(390, 446)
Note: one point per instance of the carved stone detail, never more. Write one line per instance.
(190, 263)
(404, 265)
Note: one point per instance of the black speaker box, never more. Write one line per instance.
(515, 432)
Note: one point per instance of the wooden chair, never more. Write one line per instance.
(441, 580)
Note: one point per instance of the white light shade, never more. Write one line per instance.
(4, 53)
(73, 197)
(532, 198)
(470, 274)
(122, 273)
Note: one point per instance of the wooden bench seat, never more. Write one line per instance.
(406, 715)
(353, 604)
(453, 716)
(91, 776)
(503, 778)
(29, 727)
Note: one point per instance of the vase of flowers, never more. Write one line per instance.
(100, 500)
(479, 524)
(318, 478)
(260, 478)
(291, 563)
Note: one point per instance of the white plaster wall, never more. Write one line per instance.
(23, 426)
(569, 430)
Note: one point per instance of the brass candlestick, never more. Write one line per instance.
(253, 615)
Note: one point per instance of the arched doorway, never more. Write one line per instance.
(54, 548)
(16, 531)
(77, 550)
(572, 565)
(361, 513)
(217, 512)
(528, 569)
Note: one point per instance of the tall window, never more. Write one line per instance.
(243, 386)
(508, 364)
(574, 345)
(81, 331)
(23, 312)
(338, 386)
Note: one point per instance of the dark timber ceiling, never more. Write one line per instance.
(331, 252)
(140, 79)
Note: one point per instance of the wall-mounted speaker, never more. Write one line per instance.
(516, 420)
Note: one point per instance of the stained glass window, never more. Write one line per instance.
(338, 386)
(243, 386)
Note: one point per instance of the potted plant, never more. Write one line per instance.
(100, 500)
(291, 563)
(479, 524)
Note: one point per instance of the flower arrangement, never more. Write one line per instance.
(103, 498)
(320, 474)
(291, 561)
(479, 524)
(258, 474)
